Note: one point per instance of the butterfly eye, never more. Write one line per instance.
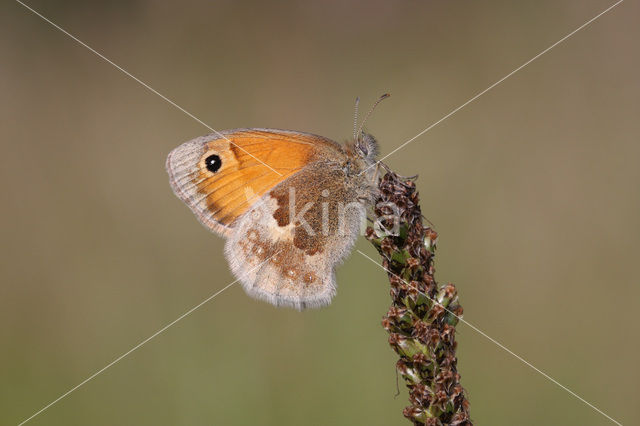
(213, 163)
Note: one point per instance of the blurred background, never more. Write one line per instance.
(533, 188)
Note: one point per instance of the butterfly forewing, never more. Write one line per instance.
(251, 162)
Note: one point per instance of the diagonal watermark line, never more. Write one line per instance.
(142, 83)
(499, 81)
(91, 377)
(548, 377)
(125, 354)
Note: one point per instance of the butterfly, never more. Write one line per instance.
(290, 205)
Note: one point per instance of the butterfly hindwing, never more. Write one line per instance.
(285, 249)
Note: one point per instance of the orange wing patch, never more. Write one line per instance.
(219, 180)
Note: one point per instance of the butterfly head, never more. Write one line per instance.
(361, 154)
(366, 147)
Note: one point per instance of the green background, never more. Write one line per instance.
(533, 188)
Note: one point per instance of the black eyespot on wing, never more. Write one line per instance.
(213, 163)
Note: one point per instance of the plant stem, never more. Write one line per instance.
(423, 314)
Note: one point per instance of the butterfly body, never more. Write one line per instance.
(289, 204)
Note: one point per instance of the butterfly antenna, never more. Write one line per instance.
(380, 99)
(355, 118)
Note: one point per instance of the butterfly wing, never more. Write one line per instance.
(285, 248)
(219, 176)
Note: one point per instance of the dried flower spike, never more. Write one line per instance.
(421, 321)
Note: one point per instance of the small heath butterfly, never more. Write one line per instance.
(287, 224)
